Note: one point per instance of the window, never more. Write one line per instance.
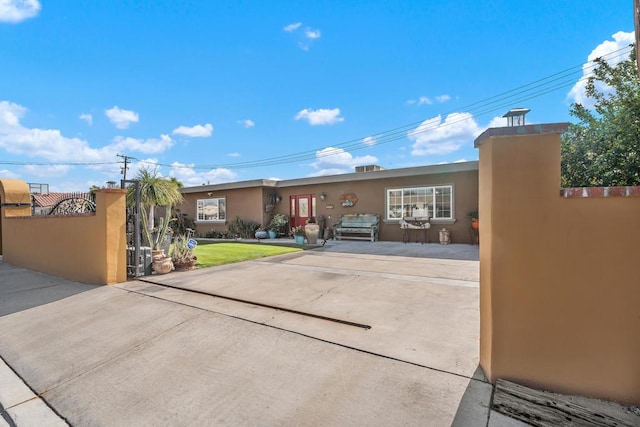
(431, 202)
(211, 209)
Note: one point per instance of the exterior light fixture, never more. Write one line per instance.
(323, 195)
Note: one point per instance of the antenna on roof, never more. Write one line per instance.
(515, 116)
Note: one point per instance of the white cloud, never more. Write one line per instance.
(321, 116)
(334, 161)
(52, 146)
(604, 49)
(147, 146)
(87, 118)
(18, 10)
(48, 171)
(122, 119)
(189, 177)
(312, 34)
(4, 173)
(247, 123)
(233, 154)
(292, 27)
(433, 136)
(498, 122)
(197, 131)
(369, 141)
(429, 101)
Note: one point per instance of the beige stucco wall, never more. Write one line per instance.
(86, 248)
(559, 284)
(249, 203)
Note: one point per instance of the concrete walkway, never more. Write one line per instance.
(332, 336)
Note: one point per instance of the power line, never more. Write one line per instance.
(534, 89)
(543, 86)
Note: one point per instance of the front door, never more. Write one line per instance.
(302, 207)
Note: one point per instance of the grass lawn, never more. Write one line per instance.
(212, 254)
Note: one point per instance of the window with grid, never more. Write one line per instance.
(211, 209)
(431, 202)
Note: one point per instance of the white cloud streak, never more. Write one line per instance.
(292, 27)
(246, 123)
(197, 131)
(425, 100)
(121, 119)
(369, 141)
(88, 118)
(321, 116)
(334, 161)
(190, 177)
(437, 137)
(604, 49)
(15, 11)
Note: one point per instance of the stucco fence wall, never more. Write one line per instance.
(559, 276)
(89, 248)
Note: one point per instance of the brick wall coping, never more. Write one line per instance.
(630, 191)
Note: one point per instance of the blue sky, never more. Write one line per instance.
(217, 91)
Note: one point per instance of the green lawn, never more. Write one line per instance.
(212, 254)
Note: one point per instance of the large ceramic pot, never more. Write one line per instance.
(299, 239)
(261, 234)
(272, 234)
(311, 231)
(162, 265)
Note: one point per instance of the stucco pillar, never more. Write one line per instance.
(111, 213)
(515, 164)
(15, 200)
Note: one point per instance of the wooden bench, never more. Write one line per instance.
(358, 227)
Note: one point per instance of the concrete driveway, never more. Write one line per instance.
(333, 336)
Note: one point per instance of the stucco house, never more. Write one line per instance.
(445, 193)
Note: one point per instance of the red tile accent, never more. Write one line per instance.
(617, 191)
(595, 191)
(634, 191)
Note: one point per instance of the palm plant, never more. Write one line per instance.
(154, 191)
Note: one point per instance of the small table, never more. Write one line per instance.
(415, 223)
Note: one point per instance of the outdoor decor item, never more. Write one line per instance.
(162, 265)
(312, 231)
(348, 200)
(445, 236)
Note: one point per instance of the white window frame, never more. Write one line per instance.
(419, 210)
(200, 204)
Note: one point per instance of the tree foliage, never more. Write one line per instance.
(603, 148)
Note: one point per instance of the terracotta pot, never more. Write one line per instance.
(475, 224)
(162, 265)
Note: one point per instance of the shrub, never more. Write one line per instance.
(242, 228)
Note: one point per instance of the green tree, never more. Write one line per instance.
(154, 191)
(603, 148)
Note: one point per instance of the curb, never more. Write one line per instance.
(20, 405)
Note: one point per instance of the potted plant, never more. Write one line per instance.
(475, 218)
(298, 234)
(182, 254)
(261, 233)
(278, 225)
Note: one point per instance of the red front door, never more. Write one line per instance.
(302, 207)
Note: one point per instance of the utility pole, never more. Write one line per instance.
(123, 170)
